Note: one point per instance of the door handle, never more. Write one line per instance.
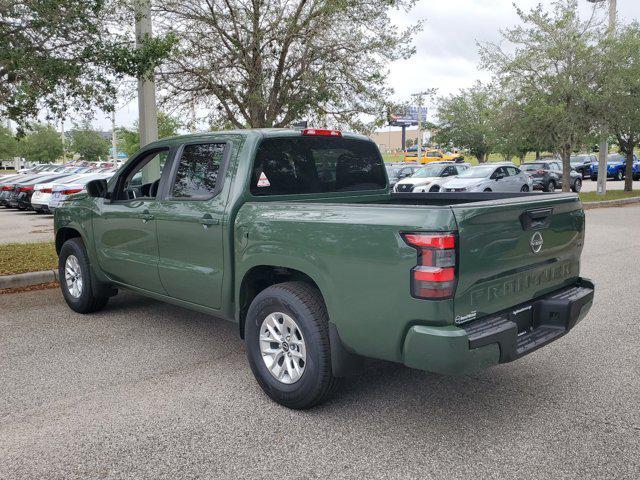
(208, 220)
(146, 216)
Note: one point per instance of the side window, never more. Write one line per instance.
(198, 169)
(513, 171)
(143, 179)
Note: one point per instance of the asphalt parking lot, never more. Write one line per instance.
(148, 390)
(17, 226)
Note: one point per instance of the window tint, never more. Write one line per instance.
(197, 174)
(287, 166)
(513, 171)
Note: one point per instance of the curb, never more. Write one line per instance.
(610, 203)
(28, 279)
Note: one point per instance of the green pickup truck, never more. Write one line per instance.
(296, 237)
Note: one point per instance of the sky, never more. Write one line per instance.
(446, 49)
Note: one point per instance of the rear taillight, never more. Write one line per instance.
(71, 191)
(7, 188)
(319, 132)
(46, 190)
(26, 189)
(434, 277)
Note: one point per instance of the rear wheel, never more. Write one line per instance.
(525, 188)
(594, 178)
(287, 341)
(551, 186)
(577, 185)
(434, 189)
(74, 273)
(619, 175)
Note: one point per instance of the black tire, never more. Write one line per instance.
(636, 178)
(525, 188)
(594, 178)
(434, 189)
(551, 186)
(619, 175)
(304, 304)
(87, 301)
(577, 185)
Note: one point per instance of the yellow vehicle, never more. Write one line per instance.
(431, 155)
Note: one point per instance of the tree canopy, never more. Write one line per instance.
(268, 63)
(8, 144)
(466, 120)
(553, 70)
(60, 54)
(88, 144)
(129, 140)
(42, 144)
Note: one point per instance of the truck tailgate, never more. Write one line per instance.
(514, 250)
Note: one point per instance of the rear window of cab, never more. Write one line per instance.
(300, 165)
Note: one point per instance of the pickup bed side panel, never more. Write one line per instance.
(357, 258)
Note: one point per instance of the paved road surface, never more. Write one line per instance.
(20, 227)
(148, 390)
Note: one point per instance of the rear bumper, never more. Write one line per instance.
(501, 337)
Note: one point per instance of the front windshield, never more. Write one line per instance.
(392, 171)
(616, 157)
(477, 172)
(431, 171)
(579, 159)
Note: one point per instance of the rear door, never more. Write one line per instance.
(511, 251)
(190, 224)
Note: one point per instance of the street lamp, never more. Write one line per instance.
(604, 145)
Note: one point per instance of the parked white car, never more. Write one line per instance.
(430, 178)
(60, 191)
(495, 177)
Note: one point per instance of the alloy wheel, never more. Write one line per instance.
(73, 276)
(283, 347)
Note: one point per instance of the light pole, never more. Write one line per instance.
(419, 98)
(604, 145)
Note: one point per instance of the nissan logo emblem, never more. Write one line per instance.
(536, 242)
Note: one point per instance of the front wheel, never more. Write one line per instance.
(619, 175)
(74, 273)
(434, 189)
(287, 341)
(525, 188)
(577, 185)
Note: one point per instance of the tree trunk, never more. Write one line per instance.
(566, 168)
(628, 180)
(537, 154)
(523, 157)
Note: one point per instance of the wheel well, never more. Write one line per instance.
(264, 276)
(63, 235)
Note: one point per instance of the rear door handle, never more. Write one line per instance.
(208, 220)
(146, 216)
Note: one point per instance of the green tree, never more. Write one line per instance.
(620, 101)
(270, 63)
(552, 69)
(129, 140)
(60, 54)
(88, 143)
(42, 144)
(8, 144)
(465, 120)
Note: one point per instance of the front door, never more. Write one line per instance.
(125, 226)
(190, 225)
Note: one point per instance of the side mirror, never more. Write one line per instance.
(97, 188)
(499, 176)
